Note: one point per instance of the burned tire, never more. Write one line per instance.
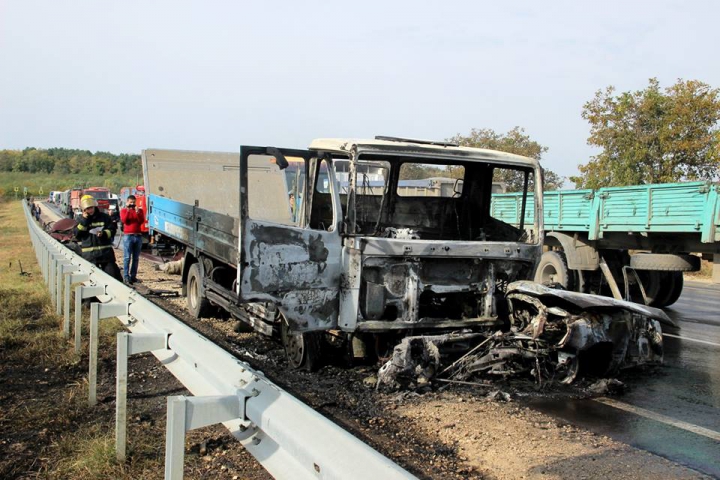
(303, 350)
(665, 262)
(553, 269)
(197, 304)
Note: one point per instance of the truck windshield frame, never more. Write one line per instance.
(447, 199)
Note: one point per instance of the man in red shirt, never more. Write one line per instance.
(132, 218)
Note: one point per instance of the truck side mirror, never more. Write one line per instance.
(280, 159)
(457, 187)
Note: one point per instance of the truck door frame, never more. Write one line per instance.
(296, 267)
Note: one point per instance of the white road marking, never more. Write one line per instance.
(658, 417)
(691, 339)
(698, 302)
(702, 286)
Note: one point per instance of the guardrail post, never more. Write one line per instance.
(130, 344)
(54, 259)
(61, 265)
(82, 292)
(189, 413)
(99, 311)
(52, 275)
(70, 278)
(44, 263)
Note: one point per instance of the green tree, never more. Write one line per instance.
(417, 171)
(515, 141)
(653, 135)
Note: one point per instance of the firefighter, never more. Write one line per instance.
(95, 232)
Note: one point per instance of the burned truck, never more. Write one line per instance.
(356, 244)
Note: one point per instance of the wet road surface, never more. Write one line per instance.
(675, 411)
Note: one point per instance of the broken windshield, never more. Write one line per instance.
(434, 200)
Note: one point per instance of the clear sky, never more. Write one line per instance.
(125, 75)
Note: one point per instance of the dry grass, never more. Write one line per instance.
(45, 423)
(29, 328)
(705, 273)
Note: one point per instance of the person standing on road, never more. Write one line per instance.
(132, 219)
(95, 231)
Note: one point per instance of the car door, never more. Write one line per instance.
(284, 257)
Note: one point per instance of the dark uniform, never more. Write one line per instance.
(98, 249)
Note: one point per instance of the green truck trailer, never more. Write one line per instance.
(657, 231)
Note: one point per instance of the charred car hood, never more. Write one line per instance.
(586, 300)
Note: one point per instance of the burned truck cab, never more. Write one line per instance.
(421, 247)
(388, 235)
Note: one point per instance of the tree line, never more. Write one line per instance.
(64, 161)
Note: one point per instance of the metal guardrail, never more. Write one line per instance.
(288, 438)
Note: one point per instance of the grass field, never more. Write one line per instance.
(37, 182)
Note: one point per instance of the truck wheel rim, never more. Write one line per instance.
(193, 292)
(294, 344)
(549, 274)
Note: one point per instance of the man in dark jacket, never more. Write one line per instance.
(95, 231)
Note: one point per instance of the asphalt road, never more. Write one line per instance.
(675, 411)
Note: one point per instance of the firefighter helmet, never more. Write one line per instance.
(88, 201)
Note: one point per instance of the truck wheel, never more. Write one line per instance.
(656, 285)
(553, 269)
(676, 282)
(665, 262)
(197, 304)
(303, 350)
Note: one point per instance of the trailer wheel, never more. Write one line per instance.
(303, 350)
(197, 304)
(553, 269)
(665, 262)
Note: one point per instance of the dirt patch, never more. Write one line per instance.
(508, 441)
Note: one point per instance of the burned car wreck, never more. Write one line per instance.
(553, 336)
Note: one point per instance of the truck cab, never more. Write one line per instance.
(367, 239)
(387, 236)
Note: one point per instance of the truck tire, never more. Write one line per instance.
(665, 262)
(303, 350)
(676, 283)
(656, 285)
(662, 288)
(553, 269)
(197, 304)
